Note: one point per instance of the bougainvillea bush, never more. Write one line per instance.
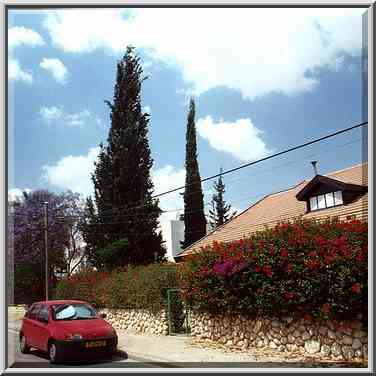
(303, 268)
(132, 287)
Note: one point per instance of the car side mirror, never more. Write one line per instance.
(102, 315)
(43, 319)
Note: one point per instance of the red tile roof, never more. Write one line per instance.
(283, 206)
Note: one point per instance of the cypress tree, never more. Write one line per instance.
(194, 217)
(220, 212)
(127, 214)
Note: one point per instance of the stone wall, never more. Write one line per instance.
(334, 340)
(137, 321)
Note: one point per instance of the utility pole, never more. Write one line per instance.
(46, 244)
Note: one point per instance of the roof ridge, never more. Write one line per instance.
(347, 168)
(287, 189)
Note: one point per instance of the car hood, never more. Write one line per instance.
(89, 329)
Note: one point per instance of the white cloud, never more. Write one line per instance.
(16, 194)
(18, 36)
(238, 48)
(241, 138)
(79, 118)
(21, 36)
(164, 179)
(51, 113)
(89, 29)
(56, 68)
(16, 73)
(72, 172)
(57, 114)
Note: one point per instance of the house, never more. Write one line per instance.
(340, 194)
(173, 235)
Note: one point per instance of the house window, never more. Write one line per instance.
(321, 201)
(338, 198)
(313, 203)
(326, 201)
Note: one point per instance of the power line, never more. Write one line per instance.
(232, 201)
(268, 157)
(110, 210)
(289, 164)
(250, 163)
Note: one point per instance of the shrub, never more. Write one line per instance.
(134, 287)
(84, 285)
(305, 268)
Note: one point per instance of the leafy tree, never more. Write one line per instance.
(74, 213)
(123, 222)
(27, 230)
(194, 216)
(220, 212)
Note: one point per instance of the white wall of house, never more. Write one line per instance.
(173, 234)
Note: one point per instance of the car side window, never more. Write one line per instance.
(43, 314)
(33, 312)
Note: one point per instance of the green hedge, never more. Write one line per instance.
(305, 268)
(135, 287)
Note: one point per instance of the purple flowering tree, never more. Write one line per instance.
(27, 237)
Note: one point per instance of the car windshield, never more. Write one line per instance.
(74, 311)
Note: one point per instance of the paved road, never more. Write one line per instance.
(39, 359)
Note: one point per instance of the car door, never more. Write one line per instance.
(26, 323)
(29, 324)
(41, 328)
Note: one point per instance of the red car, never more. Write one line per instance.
(67, 329)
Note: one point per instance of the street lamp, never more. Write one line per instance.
(46, 243)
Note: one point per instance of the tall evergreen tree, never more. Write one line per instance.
(220, 212)
(194, 217)
(127, 216)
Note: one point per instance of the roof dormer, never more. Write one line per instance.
(323, 192)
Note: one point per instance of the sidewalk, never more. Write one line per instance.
(173, 349)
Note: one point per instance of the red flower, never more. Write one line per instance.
(313, 264)
(272, 251)
(288, 295)
(356, 288)
(307, 317)
(284, 252)
(267, 270)
(326, 307)
(329, 259)
(261, 243)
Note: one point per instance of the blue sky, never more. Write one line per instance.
(263, 80)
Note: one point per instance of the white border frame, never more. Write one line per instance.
(3, 189)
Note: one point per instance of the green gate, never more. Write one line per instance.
(177, 313)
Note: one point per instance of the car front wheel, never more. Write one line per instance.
(54, 353)
(24, 348)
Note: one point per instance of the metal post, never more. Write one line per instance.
(169, 312)
(46, 244)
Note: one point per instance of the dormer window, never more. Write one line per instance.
(326, 200)
(323, 192)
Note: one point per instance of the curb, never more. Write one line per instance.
(143, 358)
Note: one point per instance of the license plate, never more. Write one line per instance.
(95, 344)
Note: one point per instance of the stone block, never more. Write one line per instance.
(312, 346)
(347, 352)
(336, 349)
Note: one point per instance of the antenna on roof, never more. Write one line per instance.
(314, 163)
